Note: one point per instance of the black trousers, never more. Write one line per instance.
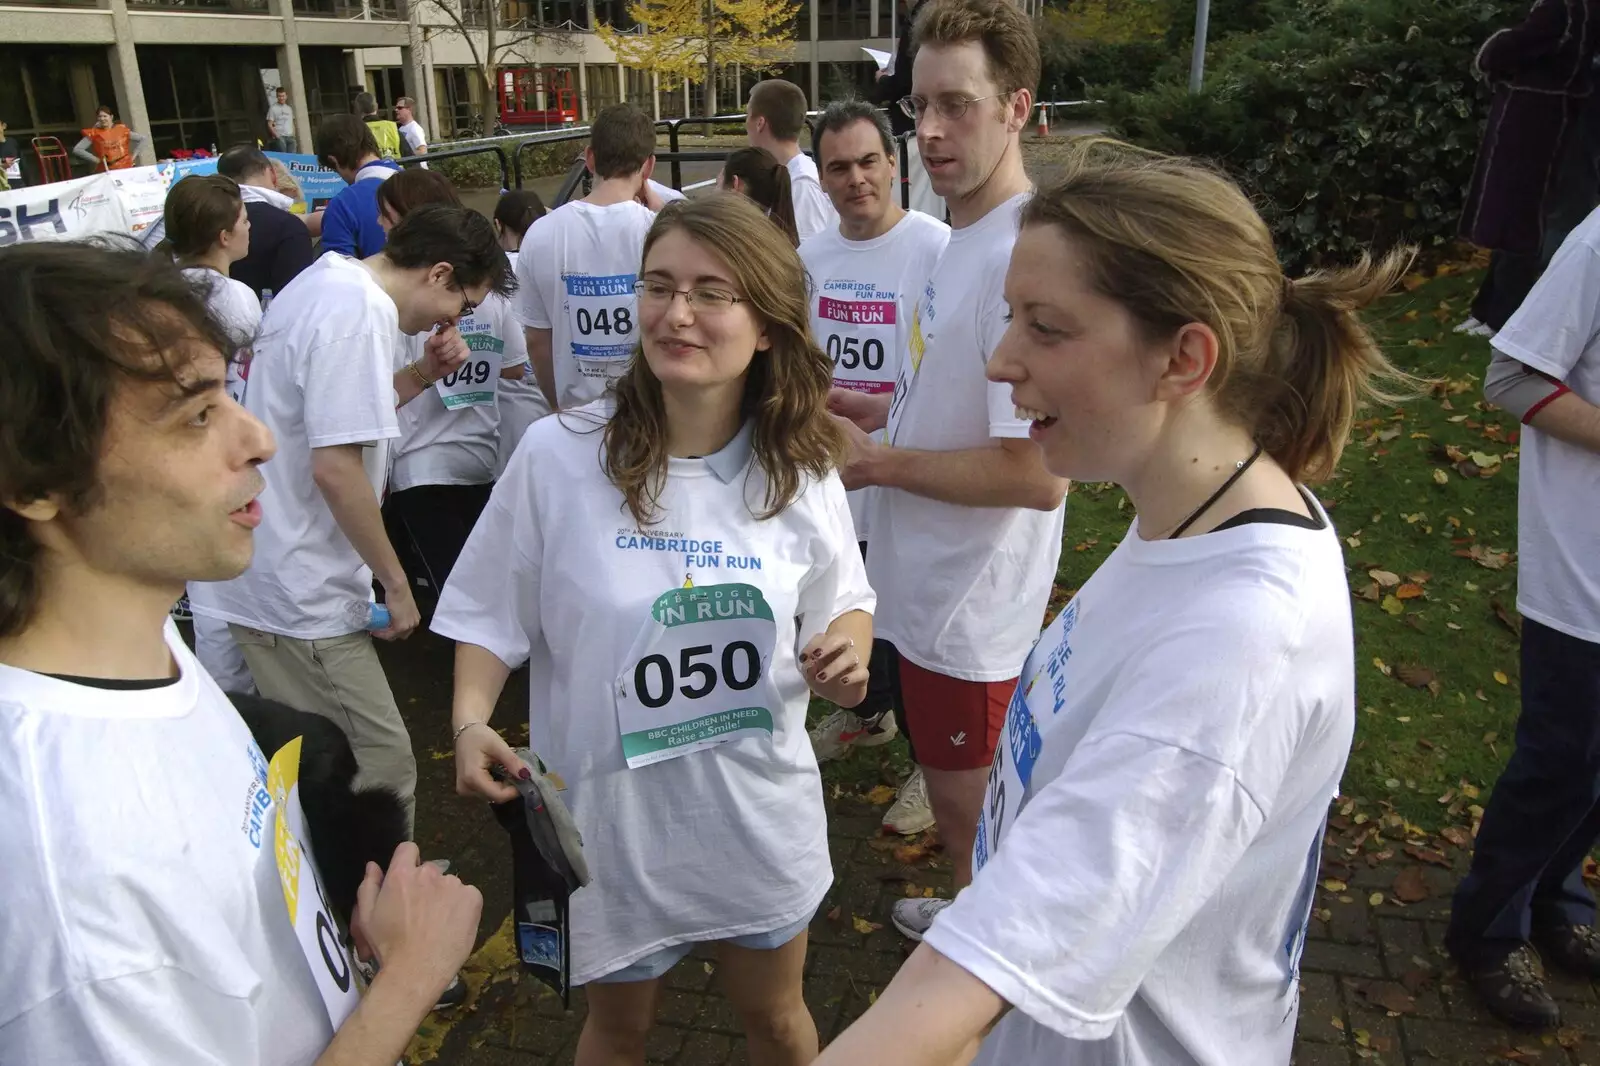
(883, 684)
(1544, 813)
(428, 526)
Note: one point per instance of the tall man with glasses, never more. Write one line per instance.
(966, 531)
(323, 379)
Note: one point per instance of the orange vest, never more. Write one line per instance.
(111, 146)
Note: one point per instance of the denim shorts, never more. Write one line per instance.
(659, 962)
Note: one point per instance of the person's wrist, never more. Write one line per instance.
(423, 370)
(396, 587)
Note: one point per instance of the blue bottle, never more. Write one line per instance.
(377, 618)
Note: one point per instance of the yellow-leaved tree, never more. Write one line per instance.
(692, 40)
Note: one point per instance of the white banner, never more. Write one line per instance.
(63, 211)
(144, 194)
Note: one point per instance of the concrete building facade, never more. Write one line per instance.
(197, 73)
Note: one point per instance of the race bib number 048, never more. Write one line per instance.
(314, 927)
(600, 315)
(698, 674)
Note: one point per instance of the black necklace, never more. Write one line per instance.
(1242, 466)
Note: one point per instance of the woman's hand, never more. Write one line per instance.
(479, 748)
(834, 669)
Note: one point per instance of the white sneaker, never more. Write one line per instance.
(911, 812)
(1470, 326)
(913, 916)
(843, 730)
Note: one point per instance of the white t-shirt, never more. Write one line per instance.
(522, 403)
(1556, 331)
(450, 434)
(234, 304)
(323, 375)
(715, 843)
(666, 192)
(144, 920)
(813, 211)
(863, 294)
(1148, 847)
(575, 276)
(963, 588)
(414, 137)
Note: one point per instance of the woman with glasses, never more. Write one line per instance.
(681, 592)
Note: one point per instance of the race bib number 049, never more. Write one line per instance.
(472, 383)
(314, 927)
(698, 674)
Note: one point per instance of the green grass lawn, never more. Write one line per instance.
(1436, 657)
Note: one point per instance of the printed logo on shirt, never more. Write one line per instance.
(1011, 772)
(697, 553)
(257, 799)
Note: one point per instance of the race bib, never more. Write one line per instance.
(314, 927)
(859, 336)
(14, 170)
(1041, 690)
(907, 374)
(600, 318)
(472, 383)
(699, 674)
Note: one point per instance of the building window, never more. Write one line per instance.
(604, 89)
(457, 89)
(204, 97)
(617, 14)
(327, 90)
(890, 20)
(843, 20)
(641, 89)
(51, 92)
(388, 84)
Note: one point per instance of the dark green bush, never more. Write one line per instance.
(1355, 122)
(482, 171)
(1094, 68)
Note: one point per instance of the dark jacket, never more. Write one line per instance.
(280, 247)
(898, 84)
(1541, 70)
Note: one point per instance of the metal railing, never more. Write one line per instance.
(384, 10)
(496, 150)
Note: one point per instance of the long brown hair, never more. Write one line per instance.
(785, 388)
(766, 181)
(1174, 241)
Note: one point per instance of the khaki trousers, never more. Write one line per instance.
(341, 679)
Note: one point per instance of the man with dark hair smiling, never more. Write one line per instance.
(141, 903)
(324, 380)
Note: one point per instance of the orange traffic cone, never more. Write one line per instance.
(1044, 121)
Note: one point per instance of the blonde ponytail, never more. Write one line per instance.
(1174, 241)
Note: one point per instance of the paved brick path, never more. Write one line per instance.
(1376, 986)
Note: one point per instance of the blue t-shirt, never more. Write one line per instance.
(350, 224)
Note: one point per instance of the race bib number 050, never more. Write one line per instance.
(859, 336)
(314, 927)
(698, 674)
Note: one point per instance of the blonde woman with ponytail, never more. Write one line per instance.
(1148, 846)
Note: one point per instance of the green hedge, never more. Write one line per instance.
(1356, 122)
(483, 171)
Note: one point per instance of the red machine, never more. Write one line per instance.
(520, 90)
